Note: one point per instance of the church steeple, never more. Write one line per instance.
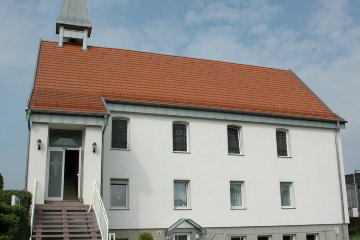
(73, 24)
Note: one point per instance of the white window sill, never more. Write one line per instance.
(236, 154)
(121, 149)
(119, 208)
(182, 208)
(288, 207)
(181, 152)
(238, 208)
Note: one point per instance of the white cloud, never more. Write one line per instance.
(235, 12)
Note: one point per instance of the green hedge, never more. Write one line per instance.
(24, 196)
(145, 236)
(354, 226)
(14, 222)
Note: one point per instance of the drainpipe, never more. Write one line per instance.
(356, 190)
(106, 118)
(28, 112)
(337, 131)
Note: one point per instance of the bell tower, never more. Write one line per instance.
(73, 24)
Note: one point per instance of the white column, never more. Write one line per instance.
(85, 37)
(61, 36)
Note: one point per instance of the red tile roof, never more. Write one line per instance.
(73, 81)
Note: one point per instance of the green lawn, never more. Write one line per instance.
(355, 236)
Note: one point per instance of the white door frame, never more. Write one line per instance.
(79, 175)
(62, 149)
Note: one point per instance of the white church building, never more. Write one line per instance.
(180, 147)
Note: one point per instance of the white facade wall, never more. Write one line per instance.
(151, 167)
(91, 162)
(37, 160)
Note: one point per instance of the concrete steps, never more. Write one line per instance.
(65, 220)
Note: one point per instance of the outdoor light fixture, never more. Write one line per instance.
(197, 236)
(94, 147)
(38, 144)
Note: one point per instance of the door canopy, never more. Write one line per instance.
(185, 223)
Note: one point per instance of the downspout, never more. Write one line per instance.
(28, 113)
(337, 131)
(356, 190)
(106, 117)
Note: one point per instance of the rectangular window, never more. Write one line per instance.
(119, 134)
(264, 237)
(286, 193)
(233, 134)
(119, 190)
(236, 195)
(282, 143)
(180, 137)
(289, 237)
(238, 237)
(312, 236)
(181, 194)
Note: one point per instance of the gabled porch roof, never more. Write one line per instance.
(185, 223)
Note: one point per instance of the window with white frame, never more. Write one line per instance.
(287, 195)
(236, 194)
(282, 142)
(119, 191)
(180, 137)
(120, 133)
(234, 139)
(312, 236)
(289, 237)
(238, 238)
(181, 194)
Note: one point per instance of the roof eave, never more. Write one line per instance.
(93, 114)
(340, 120)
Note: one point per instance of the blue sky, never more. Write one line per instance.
(318, 39)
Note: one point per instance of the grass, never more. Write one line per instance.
(355, 236)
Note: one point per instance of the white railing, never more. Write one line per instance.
(33, 203)
(98, 206)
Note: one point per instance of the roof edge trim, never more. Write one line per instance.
(34, 77)
(69, 113)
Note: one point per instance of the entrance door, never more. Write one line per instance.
(55, 174)
(181, 236)
(71, 173)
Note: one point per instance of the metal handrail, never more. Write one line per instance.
(33, 209)
(101, 216)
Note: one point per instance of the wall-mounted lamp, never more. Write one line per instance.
(38, 144)
(197, 236)
(94, 147)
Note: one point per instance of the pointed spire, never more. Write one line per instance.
(73, 24)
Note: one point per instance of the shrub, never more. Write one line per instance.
(354, 226)
(1, 182)
(145, 236)
(24, 196)
(14, 222)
